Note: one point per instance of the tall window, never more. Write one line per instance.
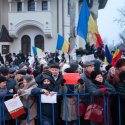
(68, 7)
(39, 42)
(45, 5)
(19, 6)
(31, 5)
(26, 44)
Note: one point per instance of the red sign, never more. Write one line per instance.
(71, 78)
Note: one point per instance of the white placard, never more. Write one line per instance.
(13, 104)
(87, 58)
(48, 98)
(41, 55)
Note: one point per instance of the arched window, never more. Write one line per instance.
(26, 44)
(39, 42)
(31, 5)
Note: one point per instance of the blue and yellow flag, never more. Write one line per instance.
(62, 44)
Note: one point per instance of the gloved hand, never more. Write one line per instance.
(103, 90)
(62, 81)
(81, 81)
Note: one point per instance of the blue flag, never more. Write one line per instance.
(82, 28)
(34, 50)
(108, 55)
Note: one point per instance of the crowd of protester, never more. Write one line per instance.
(20, 78)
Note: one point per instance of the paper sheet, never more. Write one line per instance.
(48, 98)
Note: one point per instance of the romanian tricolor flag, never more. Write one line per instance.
(116, 56)
(62, 44)
(87, 27)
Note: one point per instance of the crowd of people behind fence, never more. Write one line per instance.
(45, 76)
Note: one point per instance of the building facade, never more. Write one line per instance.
(38, 22)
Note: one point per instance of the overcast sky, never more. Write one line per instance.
(109, 30)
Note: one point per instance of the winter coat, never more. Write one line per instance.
(38, 79)
(59, 77)
(93, 89)
(1, 60)
(121, 89)
(114, 80)
(26, 91)
(3, 93)
(85, 78)
(68, 110)
(96, 91)
(47, 107)
(11, 85)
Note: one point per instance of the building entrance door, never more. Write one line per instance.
(26, 44)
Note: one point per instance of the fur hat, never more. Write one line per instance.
(122, 76)
(120, 63)
(94, 74)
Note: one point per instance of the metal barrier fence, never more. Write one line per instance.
(106, 113)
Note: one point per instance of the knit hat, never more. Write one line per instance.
(73, 67)
(120, 63)
(94, 74)
(122, 76)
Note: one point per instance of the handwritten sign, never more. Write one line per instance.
(15, 107)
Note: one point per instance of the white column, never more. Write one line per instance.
(22, 5)
(48, 5)
(10, 5)
(35, 5)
